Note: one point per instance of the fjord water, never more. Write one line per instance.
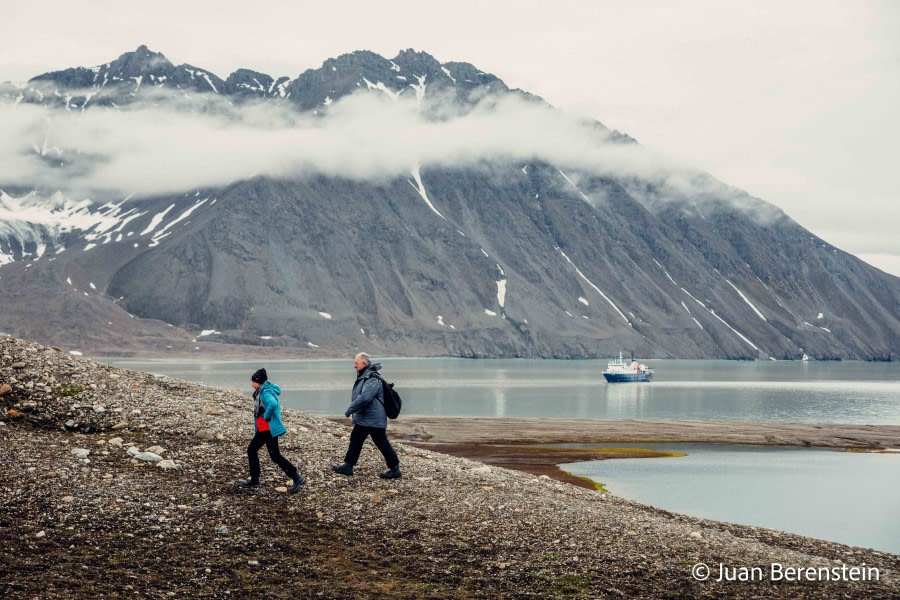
(839, 496)
(805, 392)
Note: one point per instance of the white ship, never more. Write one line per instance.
(619, 371)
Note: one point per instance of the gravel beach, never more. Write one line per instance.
(121, 483)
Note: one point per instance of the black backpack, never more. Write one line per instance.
(392, 402)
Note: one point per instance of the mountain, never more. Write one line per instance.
(136, 76)
(521, 259)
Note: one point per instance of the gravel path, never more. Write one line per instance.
(81, 516)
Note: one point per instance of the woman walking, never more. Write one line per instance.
(267, 413)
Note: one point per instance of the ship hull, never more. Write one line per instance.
(627, 377)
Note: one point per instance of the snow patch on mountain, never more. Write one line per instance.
(156, 220)
(420, 187)
(590, 283)
(745, 299)
(33, 223)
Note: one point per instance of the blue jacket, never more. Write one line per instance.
(271, 408)
(367, 400)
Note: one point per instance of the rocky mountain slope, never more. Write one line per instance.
(118, 482)
(510, 258)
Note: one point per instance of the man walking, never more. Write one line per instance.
(267, 414)
(369, 418)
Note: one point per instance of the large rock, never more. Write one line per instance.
(148, 457)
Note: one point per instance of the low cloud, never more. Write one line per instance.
(164, 148)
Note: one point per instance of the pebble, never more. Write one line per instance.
(68, 498)
(99, 409)
(5, 389)
(222, 529)
(81, 452)
(155, 449)
(253, 562)
(40, 534)
(165, 464)
(281, 489)
(133, 451)
(121, 425)
(116, 441)
(18, 365)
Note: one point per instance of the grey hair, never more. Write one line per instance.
(365, 357)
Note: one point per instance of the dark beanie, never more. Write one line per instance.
(259, 377)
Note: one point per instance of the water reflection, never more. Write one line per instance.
(624, 400)
(499, 402)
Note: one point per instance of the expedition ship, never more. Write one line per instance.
(618, 371)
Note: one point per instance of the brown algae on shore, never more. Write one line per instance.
(643, 452)
(543, 459)
(596, 485)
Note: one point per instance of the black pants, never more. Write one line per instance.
(379, 436)
(264, 438)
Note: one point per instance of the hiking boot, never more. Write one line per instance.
(298, 483)
(344, 469)
(249, 485)
(392, 473)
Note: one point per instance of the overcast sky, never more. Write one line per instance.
(793, 101)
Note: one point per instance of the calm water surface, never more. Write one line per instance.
(812, 392)
(839, 496)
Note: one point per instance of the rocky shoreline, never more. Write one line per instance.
(83, 513)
